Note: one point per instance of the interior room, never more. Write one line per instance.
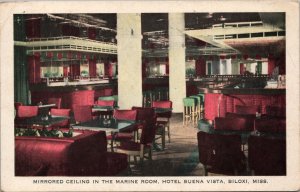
(150, 94)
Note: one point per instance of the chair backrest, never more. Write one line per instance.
(82, 113)
(105, 103)
(56, 101)
(222, 152)
(107, 98)
(27, 111)
(110, 98)
(189, 102)
(144, 113)
(149, 129)
(60, 112)
(270, 125)
(127, 114)
(162, 104)
(267, 155)
(242, 109)
(234, 124)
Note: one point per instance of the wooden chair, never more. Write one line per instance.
(163, 119)
(143, 115)
(126, 135)
(143, 147)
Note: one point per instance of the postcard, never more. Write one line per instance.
(150, 95)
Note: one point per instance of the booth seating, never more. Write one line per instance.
(271, 125)
(240, 125)
(84, 154)
(245, 110)
(221, 153)
(267, 155)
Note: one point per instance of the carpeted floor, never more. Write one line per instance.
(180, 157)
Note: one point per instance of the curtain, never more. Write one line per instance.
(20, 76)
(21, 87)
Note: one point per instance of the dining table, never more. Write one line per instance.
(40, 121)
(110, 125)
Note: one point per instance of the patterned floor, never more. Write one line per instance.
(180, 157)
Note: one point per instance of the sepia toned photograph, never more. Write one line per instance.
(151, 100)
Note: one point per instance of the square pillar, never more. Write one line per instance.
(129, 60)
(177, 82)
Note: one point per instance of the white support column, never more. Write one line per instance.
(129, 60)
(177, 82)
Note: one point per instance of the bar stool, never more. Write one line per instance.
(189, 111)
(198, 107)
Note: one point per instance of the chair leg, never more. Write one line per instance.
(169, 134)
(163, 138)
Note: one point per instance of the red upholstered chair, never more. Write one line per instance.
(105, 103)
(82, 113)
(56, 101)
(27, 111)
(125, 114)
(63, 113)
(242, 109)
(143, 116)
(164, 118)
(129, 134)
(267, 155)
(221, 153)
(144, 146)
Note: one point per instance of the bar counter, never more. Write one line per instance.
(219, 101)
(78, 94)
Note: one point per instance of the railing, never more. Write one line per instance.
(67, 37)
(68, 43)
